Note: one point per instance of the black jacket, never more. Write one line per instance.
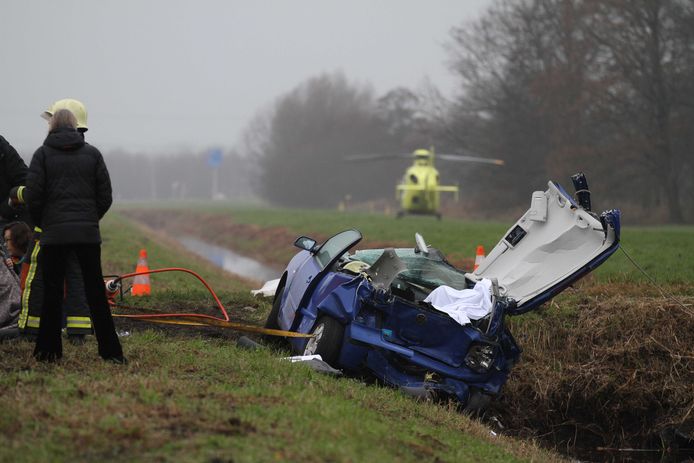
(68, 189)
(13, 172)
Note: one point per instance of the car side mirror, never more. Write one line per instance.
(305, 243)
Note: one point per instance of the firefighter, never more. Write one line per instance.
(75, 307)
(66, 172)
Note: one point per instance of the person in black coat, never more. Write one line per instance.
(75, 307)
(68, 190)
(13, 171)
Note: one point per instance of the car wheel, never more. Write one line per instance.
(271, 322)
(327, 340)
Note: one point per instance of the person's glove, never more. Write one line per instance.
(16, 197)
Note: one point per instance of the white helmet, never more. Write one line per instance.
(74, 106)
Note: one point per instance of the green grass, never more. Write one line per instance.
(666, 253)
(616, 291)
(201, 400)
(121, 246)
(186, 396)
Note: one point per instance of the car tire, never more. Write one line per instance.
(272, 323)
(327, 341)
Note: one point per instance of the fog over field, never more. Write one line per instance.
(267, 100)
(158, 75)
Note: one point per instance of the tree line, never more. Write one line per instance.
(553, 87)
(602, 86)
(180, 176)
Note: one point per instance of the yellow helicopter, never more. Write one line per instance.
(420, 192)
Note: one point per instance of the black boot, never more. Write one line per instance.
(120, 360)
(49, 357)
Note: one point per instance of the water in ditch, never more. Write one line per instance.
(230, 261)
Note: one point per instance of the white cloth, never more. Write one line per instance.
(463, 305)
(268, 290)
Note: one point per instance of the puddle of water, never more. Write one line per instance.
(230, 261)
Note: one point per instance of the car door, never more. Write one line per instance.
(303, 278)
(553, 244)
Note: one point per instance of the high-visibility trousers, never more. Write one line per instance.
(75, 308)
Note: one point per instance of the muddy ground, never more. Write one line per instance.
(617, 373)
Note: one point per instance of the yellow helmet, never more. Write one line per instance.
(74, 106)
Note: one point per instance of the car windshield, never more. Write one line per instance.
(427, 271)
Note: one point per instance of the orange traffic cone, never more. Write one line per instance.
(141, 284)
(479, 257)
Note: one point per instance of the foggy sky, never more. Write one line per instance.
(159, 75)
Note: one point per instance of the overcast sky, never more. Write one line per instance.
(158, 75)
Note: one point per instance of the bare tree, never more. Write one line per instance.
(556, 86)
(650, 65)
(525, 76)
(304, 139)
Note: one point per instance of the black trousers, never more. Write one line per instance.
(48, 342)
(75, 308)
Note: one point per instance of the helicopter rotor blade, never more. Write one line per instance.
(465, 158)
(375, 157)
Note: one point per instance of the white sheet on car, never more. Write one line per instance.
(463, 305)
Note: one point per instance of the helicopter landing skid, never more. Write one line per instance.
(401, 214)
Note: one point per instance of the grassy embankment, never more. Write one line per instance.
(607, 363)
(188, 395)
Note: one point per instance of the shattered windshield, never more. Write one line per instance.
(429, 272)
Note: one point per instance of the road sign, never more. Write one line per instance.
(214, 158)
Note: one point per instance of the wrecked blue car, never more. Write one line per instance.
(370, 310)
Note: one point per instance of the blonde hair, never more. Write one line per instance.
(62, 119)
